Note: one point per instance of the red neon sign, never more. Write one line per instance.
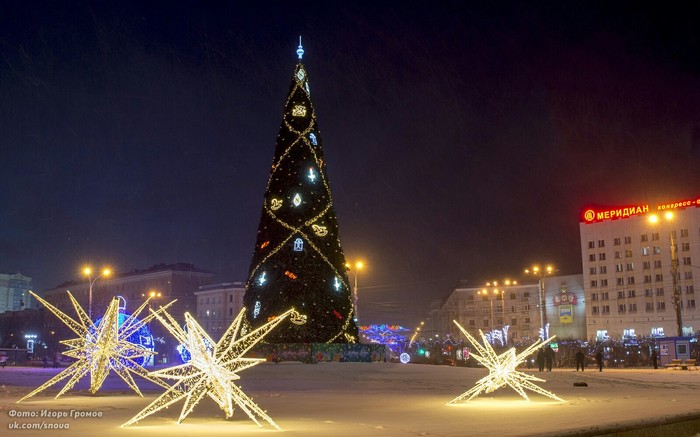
(592, 215)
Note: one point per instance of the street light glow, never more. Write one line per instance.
(358, 266)
(540, 273)
(87, 270)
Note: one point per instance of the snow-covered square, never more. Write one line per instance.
(351, 399)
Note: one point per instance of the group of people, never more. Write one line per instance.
(545, 359)
(581, 360)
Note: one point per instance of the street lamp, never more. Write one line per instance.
(87, 271)
(416, 333)
(502, 292)
(485, 292)
(674, 272)
(151, 295)
(358, 266)
(541, 273)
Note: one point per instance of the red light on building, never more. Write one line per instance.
(593, 215)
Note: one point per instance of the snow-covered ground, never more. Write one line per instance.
(360, 399)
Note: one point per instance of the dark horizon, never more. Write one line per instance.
(462, 143)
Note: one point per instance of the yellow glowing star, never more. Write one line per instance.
(212, 368)
(102, 347)
(502, 370)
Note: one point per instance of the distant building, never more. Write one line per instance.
(514, 309)
(218, 305)
(628, 269)
(14, 294)
(173, 281)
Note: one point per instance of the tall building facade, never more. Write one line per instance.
(636, 270)
(513, 311)
(218, 305)
(14, 294)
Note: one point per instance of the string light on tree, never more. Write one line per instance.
(502, 369)
(102, 348)
(211, 370)
(303, 256)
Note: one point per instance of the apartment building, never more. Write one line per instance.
(513, 312)
(218, 305)
(632, 264)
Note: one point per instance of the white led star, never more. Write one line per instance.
(502, 370)
(211, 370)
(101, 348)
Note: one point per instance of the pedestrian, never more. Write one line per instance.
(599, 360)
(580, 360)
(549, 357)
(654, 360)
(540, 359)
(46, 361)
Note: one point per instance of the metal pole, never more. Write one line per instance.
(503, 306)
(355, 297)
(544, 304)
(542, 316)
(90, 299)
(676, 291)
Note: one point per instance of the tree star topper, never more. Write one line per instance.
(211, 370)
(502, 370)
(102, 347)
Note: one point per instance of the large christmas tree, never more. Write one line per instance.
(298, 261)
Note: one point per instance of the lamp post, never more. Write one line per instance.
(540, 273)
(676, 296)
(415, 334)
(88, 272)
(357, 267)
(151, 295)
(502, 292)
(485, 292)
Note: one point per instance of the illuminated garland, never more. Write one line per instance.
(211, 371)
(101, 348)
(502, 370)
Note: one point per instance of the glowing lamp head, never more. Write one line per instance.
(87, 271)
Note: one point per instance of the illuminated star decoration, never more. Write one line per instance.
(502, 370)
(101, 348)
(211, 370)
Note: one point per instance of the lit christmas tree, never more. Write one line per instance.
(298, 261)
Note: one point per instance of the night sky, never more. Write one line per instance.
(461, 142)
